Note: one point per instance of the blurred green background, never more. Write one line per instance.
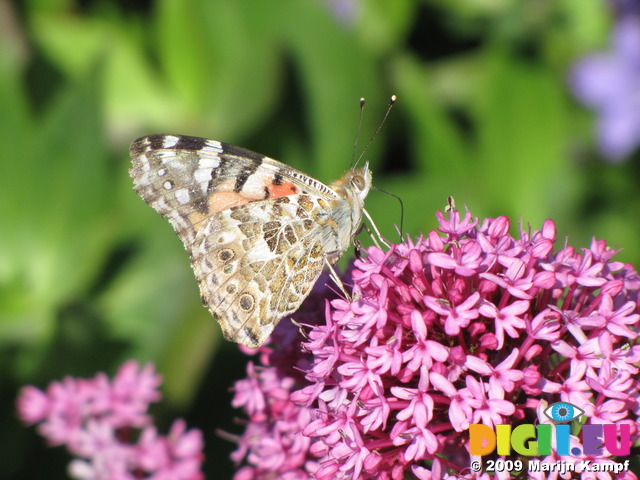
(91, 276)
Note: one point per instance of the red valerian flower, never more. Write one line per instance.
(465, 325)
(96, 418)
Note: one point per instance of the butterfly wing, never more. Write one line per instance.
(249, 223)
(256, 263)
(186, 179)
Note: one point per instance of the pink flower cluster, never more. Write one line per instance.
(467, 325)
(98, 420)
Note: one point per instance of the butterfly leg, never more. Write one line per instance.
(302, 329)
(336, 279)
(366, 228)
(375, 229)
(357, 249)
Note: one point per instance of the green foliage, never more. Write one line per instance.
(90, 275)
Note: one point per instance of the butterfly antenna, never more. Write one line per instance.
(392, 101)
(355, 145)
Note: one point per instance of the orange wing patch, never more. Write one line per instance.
(281, 189)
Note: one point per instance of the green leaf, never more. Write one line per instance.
(520, 114)
(56, 206)
(336, 70)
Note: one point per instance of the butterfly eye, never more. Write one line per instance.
(562, 412)
(357, 181)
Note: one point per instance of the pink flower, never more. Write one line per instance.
(33, 405)
(272, 443)
(506, 319)
(486, 409)
(456, 317)
(175, 457)
(618, 320)
(94, 417)
(502, 379)
(465, 325)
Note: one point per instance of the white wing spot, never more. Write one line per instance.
(211, 148)
(170, 157)
(160, 205)
(169, 141)
(209, 162)
(182, 196)
(162, 172)
(203, 173)
(178, 222)
(144, 161)
(167, 185)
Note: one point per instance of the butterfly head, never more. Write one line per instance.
(359, 182)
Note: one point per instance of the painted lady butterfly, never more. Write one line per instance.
(258, 231)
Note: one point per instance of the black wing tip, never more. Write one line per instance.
(138, 146)
(160, 141)
(234, 150)
(166, 141)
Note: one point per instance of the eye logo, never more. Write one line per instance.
(562, 412)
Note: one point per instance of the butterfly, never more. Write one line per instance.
(258, 232)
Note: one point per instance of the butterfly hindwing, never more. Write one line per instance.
(253, 272)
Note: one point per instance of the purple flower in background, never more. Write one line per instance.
(609, 83)
(97, 419)
(466, 325)
(625, 7)
(345, 11)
